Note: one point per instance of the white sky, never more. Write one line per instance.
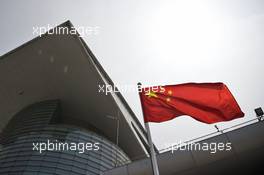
(158, 42)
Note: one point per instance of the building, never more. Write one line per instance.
(50, 91)
(39, 123)
(245, 158)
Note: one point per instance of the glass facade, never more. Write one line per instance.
(37, 124)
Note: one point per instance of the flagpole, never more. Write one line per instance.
(151, 146)
(152, 151)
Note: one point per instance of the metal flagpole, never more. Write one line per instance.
(152, 151)
(151, 146)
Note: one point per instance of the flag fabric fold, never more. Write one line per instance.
(205, 102)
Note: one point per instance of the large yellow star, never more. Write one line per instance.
(151, 94)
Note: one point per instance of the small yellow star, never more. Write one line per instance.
(168, 99)
(151, 94)
(169, 92)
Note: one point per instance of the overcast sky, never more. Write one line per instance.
(159, 42)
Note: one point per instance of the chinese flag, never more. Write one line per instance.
(205, 102)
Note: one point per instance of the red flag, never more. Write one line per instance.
(205, 102)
